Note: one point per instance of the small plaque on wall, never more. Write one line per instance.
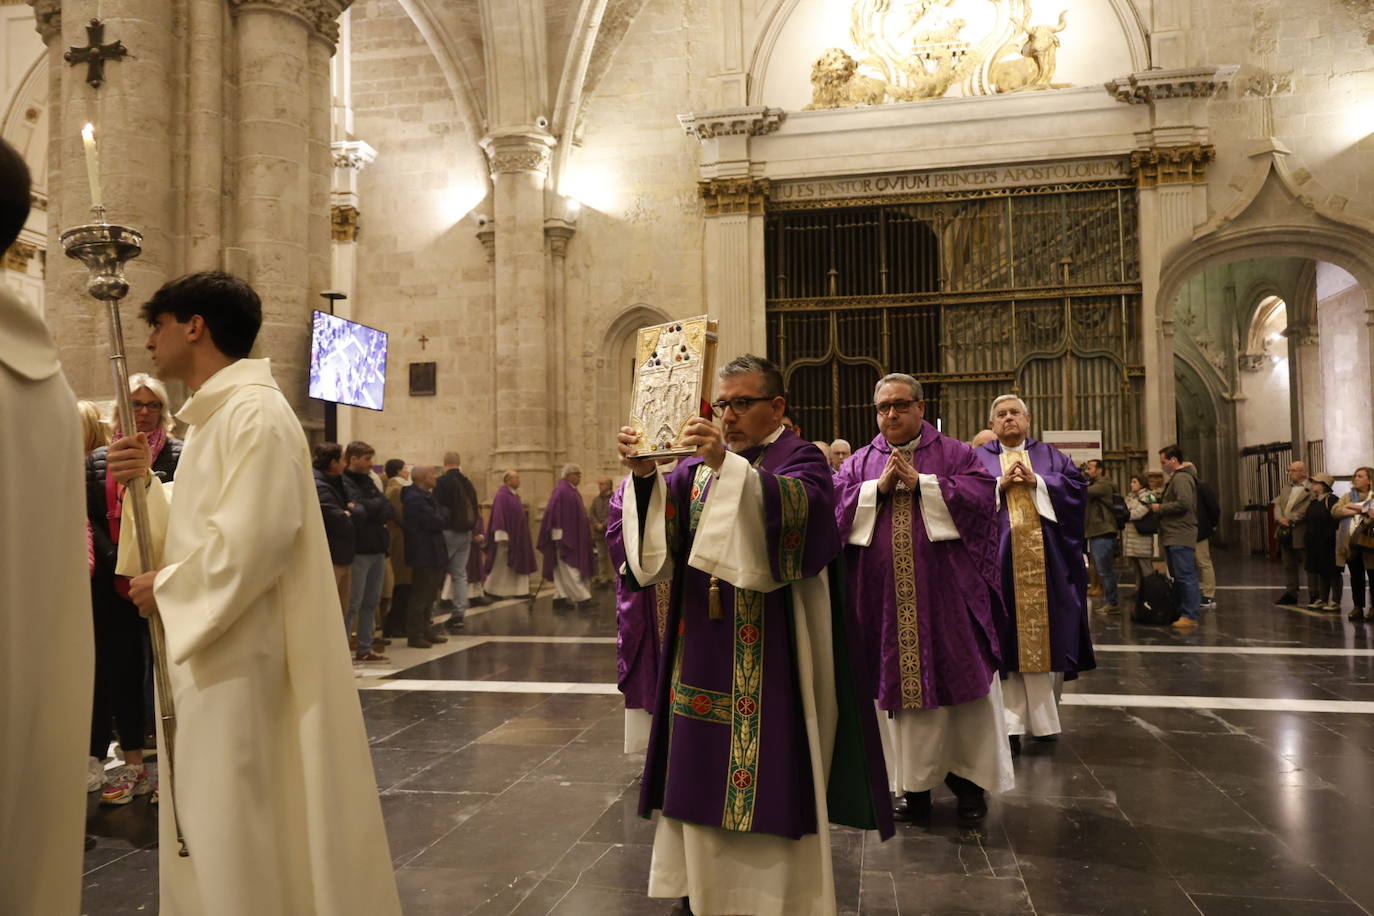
(422, 379)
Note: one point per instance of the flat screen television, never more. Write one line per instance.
(347, 362)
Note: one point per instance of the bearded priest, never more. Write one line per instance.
(565, 540)
(916, 510)
(759, 738)
(1042, 503)
(272, 781)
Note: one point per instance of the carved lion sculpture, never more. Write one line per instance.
(837, 83)
(1034, 69)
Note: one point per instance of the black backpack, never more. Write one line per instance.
(1155, 604)
(1119, 511)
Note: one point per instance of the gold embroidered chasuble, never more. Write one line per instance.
(904, 584)
(1028, 569)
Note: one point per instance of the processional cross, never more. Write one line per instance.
(96, 53)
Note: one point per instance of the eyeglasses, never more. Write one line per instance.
(145, 405)
(887, 407)
(738, 405)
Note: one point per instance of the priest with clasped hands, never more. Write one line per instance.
(916, 510)
(770, 742)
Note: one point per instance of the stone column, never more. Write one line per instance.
(131, 112)
(1304, 386)
(281, 169)
(559, 232)
(734, 239)
(350, 158)
(524, 413)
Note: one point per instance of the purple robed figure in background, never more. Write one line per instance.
(565, 540)
(1061, 501)
(641, 616)
(747, 703)
(923, 578)
(514, 549)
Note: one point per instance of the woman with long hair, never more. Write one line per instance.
(1355, 536)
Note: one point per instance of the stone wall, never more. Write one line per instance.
(1344, 339)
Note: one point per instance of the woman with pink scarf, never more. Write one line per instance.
(121, 635)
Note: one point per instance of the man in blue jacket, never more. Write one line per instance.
(423, 520)
(369, 562)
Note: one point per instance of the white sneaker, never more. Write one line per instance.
(125, 782)
(95, 774)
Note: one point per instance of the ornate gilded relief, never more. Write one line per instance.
(672, 373)
(907, 50)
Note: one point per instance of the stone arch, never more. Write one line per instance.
(761, 40)
(1208, 433)
(612, 404)
(25, 121)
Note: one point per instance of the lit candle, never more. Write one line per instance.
(92, 163)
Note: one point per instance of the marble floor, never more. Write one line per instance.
(1223, 772)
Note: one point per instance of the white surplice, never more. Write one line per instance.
(47, 657)
(725, 871)
(273, 780)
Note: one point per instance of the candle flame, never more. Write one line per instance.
(88, 132)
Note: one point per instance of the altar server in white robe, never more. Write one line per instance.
(47, 659)
(273, 781)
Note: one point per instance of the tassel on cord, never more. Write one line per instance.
(713, 600)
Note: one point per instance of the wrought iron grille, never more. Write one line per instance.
(1035, 291)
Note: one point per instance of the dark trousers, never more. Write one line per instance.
(1330, 584)
(425, 584)
(396, 619)
(119, 672)
(1294, 563)
(1355, 564)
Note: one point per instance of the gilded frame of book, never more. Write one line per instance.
(674, 363)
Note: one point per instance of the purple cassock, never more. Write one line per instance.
(1066, 576)
(729, 746)
(476, 559)
(566, 512)
(508, 515)
(940, 649)
(641, 617)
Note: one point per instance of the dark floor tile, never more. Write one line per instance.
(126, 886)
(433, 891)
(522, 661)
(488, 768)
(621, 823)
(588, 762)
(1242, 862)
(583, 900)
(961, 894)
(530, 734)
(620, 867)
(1216, 905)
(416, 820)
(1081, 886)
(392, 765)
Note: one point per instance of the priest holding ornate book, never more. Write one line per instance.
(770, 741)
(1041, 512)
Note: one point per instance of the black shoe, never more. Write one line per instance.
(447, 604)
(479, 601)
(683, 907)
(433, 634)
(972, 805)
(1015, 742)
(1287, 598)
(418, 642)
(914, 806)
(1047, 739)
(454, 626)
(1355, 614)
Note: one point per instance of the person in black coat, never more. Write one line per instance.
(338, 516)
(423, 521)
(1320, 543)
(371, 540)
(123, 690)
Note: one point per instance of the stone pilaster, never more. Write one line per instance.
(735, 290)
(519, 161)
(558, 232)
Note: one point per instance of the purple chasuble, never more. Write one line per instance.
(565, 511)
(641, 617)
(728, 747)
(508, 515)
(951, 652)
(476, 560)
(1066, 576)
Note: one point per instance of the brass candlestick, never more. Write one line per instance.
(105, 249)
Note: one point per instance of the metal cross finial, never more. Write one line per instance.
(423, 340)
(96, 53)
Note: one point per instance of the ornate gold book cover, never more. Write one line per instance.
(673, 367)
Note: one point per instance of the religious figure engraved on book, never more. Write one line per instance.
(673, 364)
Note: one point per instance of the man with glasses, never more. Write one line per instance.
(759, 701)
(916, 509)
(1042, 503)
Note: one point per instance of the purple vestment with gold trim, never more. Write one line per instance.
(953, 646)
(641, 617)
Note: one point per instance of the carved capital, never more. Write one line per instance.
(322, 16)
(1301, 335)
(19, 255)
(487, 236)
(523, 151)
(726, 122)
(1172, 164)
(47, 16)
(725, 196)
(343, 223)
(1252, 362)
(1151, 86)
(352, 154)
(558, 232)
